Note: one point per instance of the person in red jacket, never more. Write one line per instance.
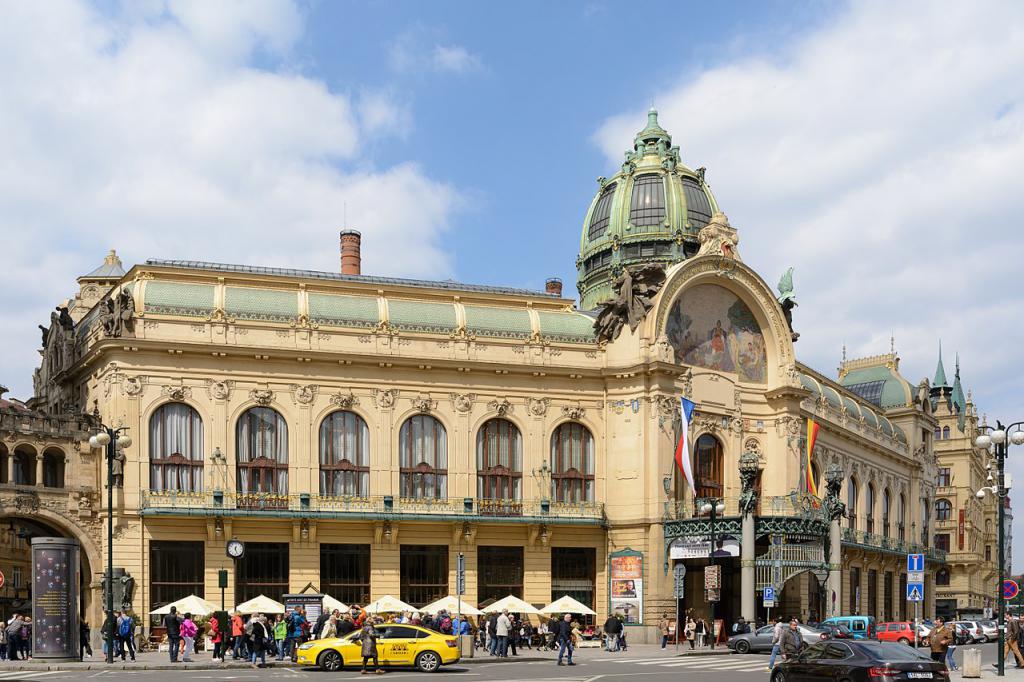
(217, 637)
(237, 634)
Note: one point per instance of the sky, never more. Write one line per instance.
(876, 147)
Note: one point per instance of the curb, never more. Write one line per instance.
(100, 665)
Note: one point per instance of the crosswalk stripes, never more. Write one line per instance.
(705, 663)
(18, 675)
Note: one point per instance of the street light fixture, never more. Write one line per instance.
(714, 510)
(995, 440)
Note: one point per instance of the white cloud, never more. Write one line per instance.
(454, 58)
(152, 131)
(881, 156)
(418, 49)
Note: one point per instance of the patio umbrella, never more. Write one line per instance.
(330, 604)
(451, 605)
(567, 605)
(388, 604)
(260, 604)
(513, 604)
(197, 606)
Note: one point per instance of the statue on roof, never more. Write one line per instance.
(787, 299)
(634, 292)
(719, 238)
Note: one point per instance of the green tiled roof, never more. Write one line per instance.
(177, 298)
(571, 327)
(343, 311)
(419, 316)
(853, 408)
(895, 391)
(507, 322)
(261, 304)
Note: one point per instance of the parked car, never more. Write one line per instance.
(990, 629)
(761, 639)
(862, 627)
(974, 630)
(900, 631)
(835, 631)
(859, 661)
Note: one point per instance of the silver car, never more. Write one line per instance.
(761, 639)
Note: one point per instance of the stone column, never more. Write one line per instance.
(39, 470)
(835, 577)
(10, 467)
(748, 503)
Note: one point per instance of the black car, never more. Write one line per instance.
(859, 661)
(835, 631)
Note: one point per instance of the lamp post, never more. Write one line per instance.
(996, 439)
(714, 509)
(109, 438)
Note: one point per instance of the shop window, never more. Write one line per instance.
(499, 467)
(708, 466)
(423, 573)
(263, 569)
(872, 605)
(176, 449)
(262, 452)
(574, 573)
(53, 469)
(423, 458)
(943, 510)
(942, 541)
(499, 573)
(344, 455)
(345, 572)
(572, 463)
(175, 571)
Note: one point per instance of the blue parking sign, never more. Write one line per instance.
(769, 594)
(915, 562)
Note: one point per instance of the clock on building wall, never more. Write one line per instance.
(236, 548)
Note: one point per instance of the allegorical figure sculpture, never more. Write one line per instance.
(787, 299)
(833, 483)
(117, 315)
(118, 469)
(634, 293)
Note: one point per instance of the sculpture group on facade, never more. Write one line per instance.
(634, 292)
(117, 315)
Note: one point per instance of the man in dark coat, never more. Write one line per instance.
(173, 625)
(563, 635)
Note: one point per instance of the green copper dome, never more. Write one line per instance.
(648, 212)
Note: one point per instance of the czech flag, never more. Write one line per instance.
(812, 435)
(683, 448)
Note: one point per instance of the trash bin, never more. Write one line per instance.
(972, 663)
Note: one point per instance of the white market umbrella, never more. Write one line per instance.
(330, 604)
(513, 604)
(388, 604)
(260, 604)
(567, 605)
(197, 606)
(451, 605)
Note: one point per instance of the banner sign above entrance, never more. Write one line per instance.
(700, 547)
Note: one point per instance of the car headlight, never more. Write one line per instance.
(307, 645)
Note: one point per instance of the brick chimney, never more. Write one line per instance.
(351, 261)
(553, 286)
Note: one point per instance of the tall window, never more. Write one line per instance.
(945, 433)
(572, 463)
(262, 451)
(647, 205)
(869, 509)
(942, 541)
(943, 510)
(574, 573)
(938, 433)
(423, 573)
(708, 466)
(500, 573)
(855, 590)
(263, 569)
(24, 466)
(872, 605)
(345, 572)
(942, 577)
(926, 514)
(886, 501)
(344, 455)
(902, 522)
(602, 213)
(423, 458)
(175, 571)
(499, 461)
(943, 478)
(53, 469)
(889, 605)
(176, 449)
(851, 503)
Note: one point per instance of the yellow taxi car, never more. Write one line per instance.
(397, 646)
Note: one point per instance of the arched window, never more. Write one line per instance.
(647, 204)
(176, 449)
(24, 466)
(499, 461)
(4, 476)
(53, 469)
(572, 463)
(942, 577)
(945, 433)
(869, 509)
(943, 510)
(262, 452)
(816, 477)
(902, 522)
(708, 466)
(938, 433)
(851, 503)
(886, 501)
(423, 458)
(602, 213)
(926, 514)
(344, 455)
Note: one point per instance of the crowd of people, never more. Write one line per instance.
(16, 639)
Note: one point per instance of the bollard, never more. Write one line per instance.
(972, 663)
(466, 646)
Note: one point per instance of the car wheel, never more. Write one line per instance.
(428, 662)
(779, 676)
(330, 661)
(742, 646)
(904, 640)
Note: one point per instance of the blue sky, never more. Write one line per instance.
(874, 146)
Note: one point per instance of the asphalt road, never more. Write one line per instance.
(650, 665)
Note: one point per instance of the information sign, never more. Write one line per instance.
(712, 577)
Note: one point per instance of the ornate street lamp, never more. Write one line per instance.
(996, 442)
(713, 508)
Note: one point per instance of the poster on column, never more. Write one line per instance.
(55, 576)
(626, 588)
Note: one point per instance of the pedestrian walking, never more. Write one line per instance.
(492, 634)
(173, 625)
(791, 642)
(3, 643)
(126, 636)
(237, 631)
(664, 627)
(189, 630)
(776, 641)
(690, 630)
(296, 623)
(1013, 635)
(611, 633)
(939, 640)
(502, 628)
(701, 632)
(260, 638)
(280, 635)
(564, 638)
(217, 638)
(368, 640)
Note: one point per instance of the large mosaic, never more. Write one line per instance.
(708, 326)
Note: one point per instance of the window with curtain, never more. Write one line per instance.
(344, 455)
(851, 503)
(423, 458)
(885, 512)
(499, 461)
(262, 452)
(943, 510)
(902, 522)
(572, 463)
(869, 509)
(708, 467)
(176, 449)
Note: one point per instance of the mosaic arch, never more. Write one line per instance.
(708, 326)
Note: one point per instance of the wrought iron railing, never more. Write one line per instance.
(875, 541)
(792, 505)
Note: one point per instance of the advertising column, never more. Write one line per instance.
(55, 580)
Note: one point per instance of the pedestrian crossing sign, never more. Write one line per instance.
(915, 592)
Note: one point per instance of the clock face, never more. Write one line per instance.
(235, 549)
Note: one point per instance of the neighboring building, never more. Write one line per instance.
(360, 432)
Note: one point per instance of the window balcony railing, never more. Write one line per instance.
(792, 505)
(884, 544)
(386, 506)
